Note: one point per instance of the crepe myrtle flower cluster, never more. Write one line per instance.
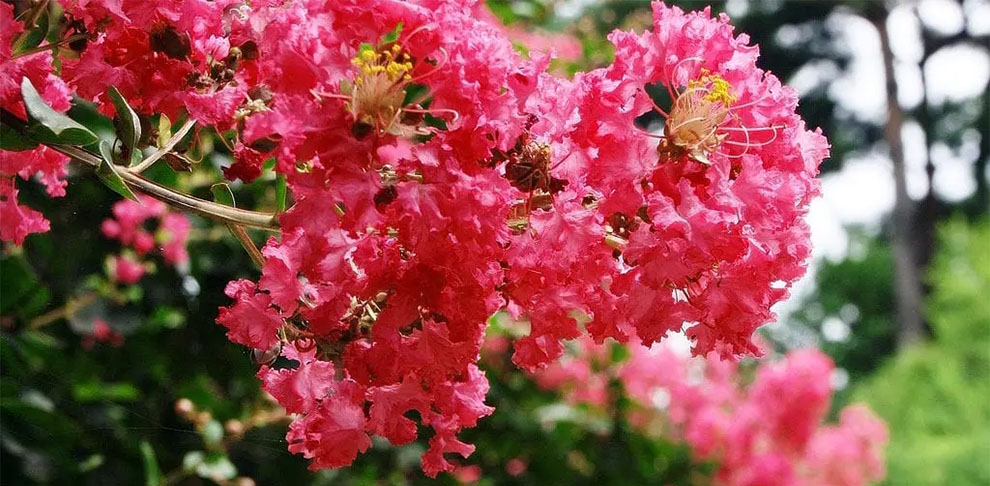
(765, 431)
(440, 176)
(141, 227)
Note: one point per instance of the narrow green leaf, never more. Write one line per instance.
(164, 130)
(130, 124)
(222, 194)
(394, 35)
(152, 474)
(107, 173)
(280, 193)
(88, 392)
(53, 126)
(15, 141)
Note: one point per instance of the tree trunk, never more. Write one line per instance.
(929, 210)
(908, 284)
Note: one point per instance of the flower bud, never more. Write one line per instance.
(184, 407)
(234, 427)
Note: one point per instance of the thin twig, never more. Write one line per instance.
(245, 241)
(48, 47)
(39, 9)
(64, 312)
(164, 149)
(179, 200)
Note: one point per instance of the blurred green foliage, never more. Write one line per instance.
(936, 397)
(859, 292)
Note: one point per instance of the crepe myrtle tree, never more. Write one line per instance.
(437, 176)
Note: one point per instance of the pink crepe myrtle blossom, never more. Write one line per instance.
(439, 177)
(126, 270)
(769, 431)
(142, 227)
(20, 221)
(102, 333)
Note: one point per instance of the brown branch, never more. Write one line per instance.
(64, 312)
(176, 199)
(245, 241)
(184, 202)
(48, 47)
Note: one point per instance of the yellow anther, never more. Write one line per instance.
(378, 91)
(718, 89)
(721, 91)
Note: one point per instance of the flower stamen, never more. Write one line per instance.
(376, 98)
(696, 125)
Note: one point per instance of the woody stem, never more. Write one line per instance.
(179, 200)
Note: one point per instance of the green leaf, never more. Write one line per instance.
(168, 317)
(92, 462)
(394, 35)
(435, 122)
(107, 173)
(152, 474)
(22, 290)
(130, 124)
(164, 130)
(222, 194)
(98, 392)
(280, 193)
(15, 141)
(32, 38)
(418, 94)
(52, 126)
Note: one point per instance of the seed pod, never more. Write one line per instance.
(385, 196)
(177, 162)
(249, 51)
(76, 26)
(169, 42)
(524, 175)
(361, 130)
(620, 224)
(261, 93)
(266, 144)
